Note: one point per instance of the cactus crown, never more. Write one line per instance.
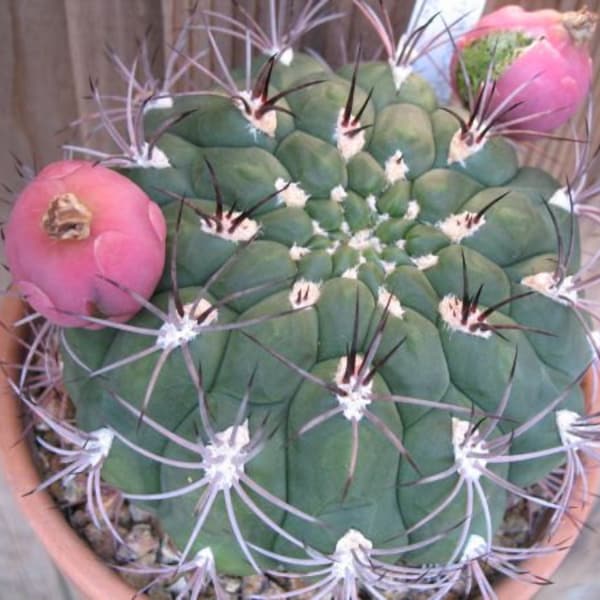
(365, 341)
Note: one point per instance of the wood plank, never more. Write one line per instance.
(37, 88)
(25, 569)
(92, 26)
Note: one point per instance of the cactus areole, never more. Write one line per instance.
(358, 348)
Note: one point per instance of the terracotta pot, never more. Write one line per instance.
(93, 578)
(568, 530)
(71, 553)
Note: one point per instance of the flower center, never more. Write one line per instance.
(67, 218)
(581, 24)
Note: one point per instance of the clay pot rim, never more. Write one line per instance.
(93, 578)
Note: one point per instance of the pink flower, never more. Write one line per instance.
(553, 69)
(74, 227)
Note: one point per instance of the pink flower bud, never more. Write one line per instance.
(74, 227)
(544, 52)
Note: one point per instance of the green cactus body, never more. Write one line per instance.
(369, 227)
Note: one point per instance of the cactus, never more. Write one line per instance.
(368, 335)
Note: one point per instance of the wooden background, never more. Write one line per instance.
(49, 49)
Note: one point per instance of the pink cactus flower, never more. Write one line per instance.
(543, 68)
(76, 233)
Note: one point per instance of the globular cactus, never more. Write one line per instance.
(368, 335)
